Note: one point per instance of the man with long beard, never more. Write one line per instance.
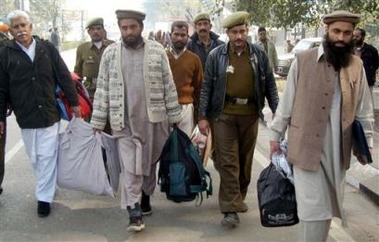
(368, 54)
(326, 91)
(135, 90)
(187, 72)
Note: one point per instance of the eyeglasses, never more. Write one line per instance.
(23, 25)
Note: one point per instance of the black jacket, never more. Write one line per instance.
(194, 45)
(370, 58)
(30, 86)
(213, 89)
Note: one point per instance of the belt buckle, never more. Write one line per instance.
(242, 100)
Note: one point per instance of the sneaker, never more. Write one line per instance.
(43, 209)
(243, 208)
(136, 223)
(230, 219)
(145, 205)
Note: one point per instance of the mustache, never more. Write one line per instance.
(339, 42)
(21, 33)
(203, 30)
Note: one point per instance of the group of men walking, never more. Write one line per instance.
(141, 89)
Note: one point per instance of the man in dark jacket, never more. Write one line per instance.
(203, 40)
(3, 39)
(27, 83)
(237, 80)
(368, 54)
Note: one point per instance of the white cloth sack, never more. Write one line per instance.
(81, 164)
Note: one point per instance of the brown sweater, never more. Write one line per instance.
(188, 76)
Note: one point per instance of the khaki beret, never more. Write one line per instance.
(95, 21)
(237, 18)
(201, 16)
(341, 15)
(122, 14)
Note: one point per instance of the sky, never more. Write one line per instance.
(105, 9)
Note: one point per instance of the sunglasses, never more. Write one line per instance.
(23, 25)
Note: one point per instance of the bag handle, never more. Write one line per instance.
(174, 144)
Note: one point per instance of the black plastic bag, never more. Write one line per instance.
(276, 199)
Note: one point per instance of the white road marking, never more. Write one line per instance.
(336, 231)
(12, 152)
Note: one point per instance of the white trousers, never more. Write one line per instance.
(187, 123)
(41, 146)
(313, 231)
(133, 185)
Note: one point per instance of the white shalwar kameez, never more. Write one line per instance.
(41, 146)
(319, 194)
(141, 142)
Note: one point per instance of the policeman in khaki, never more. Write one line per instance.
(237, 80)
(88, 54)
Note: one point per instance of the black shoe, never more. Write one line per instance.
(230, 219)
(136, 223)
(43, 209)
(1, 190)
(145, 205)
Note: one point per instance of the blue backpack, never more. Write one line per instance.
(181, 173)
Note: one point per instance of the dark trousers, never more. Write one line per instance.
(2, 155)
(234, 139)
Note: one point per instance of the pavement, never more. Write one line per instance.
(78, 216)
(366, 178)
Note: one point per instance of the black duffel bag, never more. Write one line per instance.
(276, 199)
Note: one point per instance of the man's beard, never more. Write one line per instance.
(358, 43)
(179, 46)
(337, 56)
(132, 41)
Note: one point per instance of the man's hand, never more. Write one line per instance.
(77, 111)
(204, 126)
(274, 147)
(9, 110)
(96, 130)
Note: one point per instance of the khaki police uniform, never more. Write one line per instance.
(87, 63)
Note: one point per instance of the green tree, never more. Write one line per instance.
(287, 13)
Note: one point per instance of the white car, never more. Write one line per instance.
(285, 60)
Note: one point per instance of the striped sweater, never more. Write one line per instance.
(161, 95)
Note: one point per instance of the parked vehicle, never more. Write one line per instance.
(285, 60)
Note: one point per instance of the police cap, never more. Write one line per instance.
(95, 21)
(235, 19)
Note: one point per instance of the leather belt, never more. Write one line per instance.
(240, 101)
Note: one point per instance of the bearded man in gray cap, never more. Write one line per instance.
(237, 80)
(326, 91)
(137, 93)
